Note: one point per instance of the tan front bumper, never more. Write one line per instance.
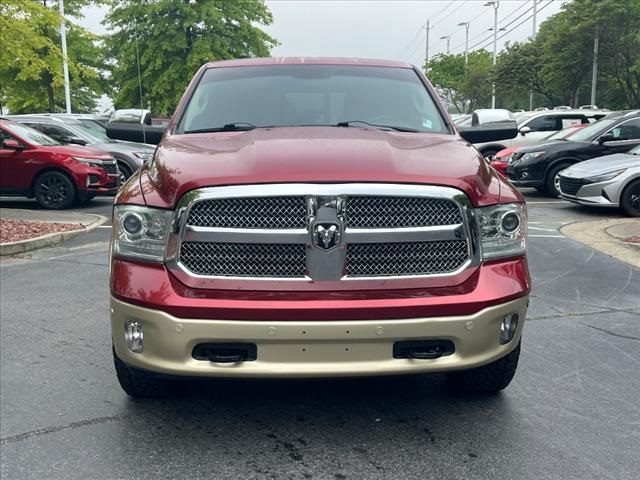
(312, 349)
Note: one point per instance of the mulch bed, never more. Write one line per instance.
(632, 239)
(16, 230)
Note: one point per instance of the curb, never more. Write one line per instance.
(49, 240)
(595, 235)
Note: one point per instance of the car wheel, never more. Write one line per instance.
(630, 199)
(138, 386)
(54, 191)
(488, 378)
(489, 154)
(552, 182)
(125, 172)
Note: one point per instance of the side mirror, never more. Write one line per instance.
(12, 144)
(135, 132)
(607, 137)
(489, 125)
(524, 131)
(75, 140)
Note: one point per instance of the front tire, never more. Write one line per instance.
(489, 378)
(138, 386)
(54, 191)
(630, 199)
(125, 173)
(552, 182)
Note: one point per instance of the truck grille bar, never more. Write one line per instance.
(322, 236)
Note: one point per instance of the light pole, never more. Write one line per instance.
(426, 53)
(466, 41)
(494, 4)
(447, 37)
(65, 66)
(533, 36)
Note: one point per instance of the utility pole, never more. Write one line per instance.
(426, 53)
(533, 36)
(594, 76)
(447, 38)
(65, 66)
(466, 42)
(495, 46)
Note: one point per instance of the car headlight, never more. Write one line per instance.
(94, 162)
(503, 230)
(532, 155)
(145, 156)
(606, 177)
(140, 232)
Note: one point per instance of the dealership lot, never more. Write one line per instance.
(571, 411)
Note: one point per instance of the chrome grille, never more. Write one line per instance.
(401, 259)
(250, 212)
(570, 186)
(394, 212)
(111, 168)
(244, 259)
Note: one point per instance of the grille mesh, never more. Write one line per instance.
(570, 186)
(110, 167)
(244, 259)
(399, 259)
(394, 212)
(250, 212)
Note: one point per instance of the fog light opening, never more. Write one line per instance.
(133, 336)
(508, 328)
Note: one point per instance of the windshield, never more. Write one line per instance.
(562, 134)
(32, 135)
(589, 132)
(311, 95)
(521, 117)
(93, 130)
(635, 150)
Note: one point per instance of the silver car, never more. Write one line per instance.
(609, 181)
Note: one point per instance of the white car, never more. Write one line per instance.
(609, 181)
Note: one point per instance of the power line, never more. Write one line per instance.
(452, 11)
(432, 19)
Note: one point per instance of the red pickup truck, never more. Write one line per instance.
(308, 217)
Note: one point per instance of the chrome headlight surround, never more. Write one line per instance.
(532, 155)
(503, 230)
(92, 162)
(140, 232)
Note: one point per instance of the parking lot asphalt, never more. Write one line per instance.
(572, 410)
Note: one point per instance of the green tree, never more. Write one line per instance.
(463, 85)
(172, 39)
(31, 75)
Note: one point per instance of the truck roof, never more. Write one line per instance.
(368, 62)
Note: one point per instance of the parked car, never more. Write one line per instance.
(35, 165)
(325, 219)
(538, 166)
(501, 159)
(609, 181)
(68, 130)
(535, 126)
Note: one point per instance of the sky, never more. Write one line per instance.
(388, 29)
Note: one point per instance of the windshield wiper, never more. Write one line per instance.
(228, 127)
(351, 123)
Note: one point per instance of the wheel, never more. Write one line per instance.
(489, 153)
(125, 172)
(488, 378)
(54, 191)
(630, 199)
(552, 182)
(138, 386)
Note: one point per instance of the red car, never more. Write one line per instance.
(501, 159)
(34, 165)
(308, 217)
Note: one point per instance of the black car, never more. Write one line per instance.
(538, 165)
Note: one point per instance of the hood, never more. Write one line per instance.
(80, 151)
(315, 155)
(134, 146)
(602, 165)
(553, 145)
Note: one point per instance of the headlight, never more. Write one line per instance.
(606, 177)
(532, 155)
(94, 162)
(503, 230)
(145, 156)
(140, 232)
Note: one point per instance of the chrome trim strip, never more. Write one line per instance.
(244, 235)
(404, 234)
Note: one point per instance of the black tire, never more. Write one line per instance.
(125, 172)
(488, 378)
(54, 190)
(550, 183)
(630, 199)
(138, 386)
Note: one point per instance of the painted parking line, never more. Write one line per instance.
(548, 202)
(546, 236)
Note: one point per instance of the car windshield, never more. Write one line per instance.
(32, 135)
(311, 95)
(562, 134)
(635, 150)
(521, 117)
(93, 130)
(589, 132)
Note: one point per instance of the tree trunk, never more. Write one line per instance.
(52, 99)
